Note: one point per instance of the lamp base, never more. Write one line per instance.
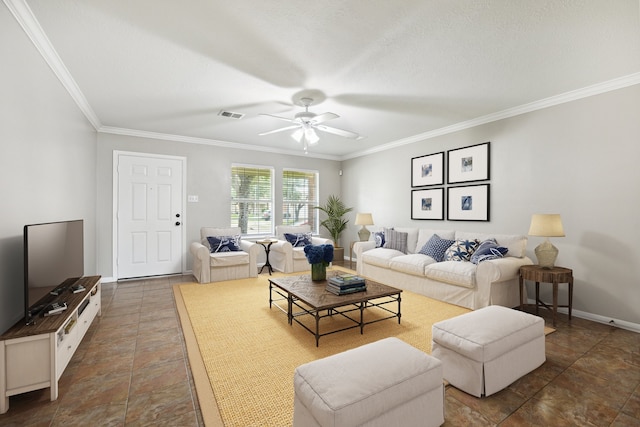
(546, 254)
(364, 234)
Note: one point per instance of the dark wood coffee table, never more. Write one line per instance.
(311, 298)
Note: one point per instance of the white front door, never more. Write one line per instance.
(149, 217)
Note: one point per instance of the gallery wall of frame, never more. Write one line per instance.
(464, 201)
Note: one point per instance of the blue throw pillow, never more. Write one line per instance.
(298, 240)
(224, 243)
(461, 250)
(435, 247)
(378, 237)
(487, 250)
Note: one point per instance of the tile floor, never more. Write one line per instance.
(131, 369)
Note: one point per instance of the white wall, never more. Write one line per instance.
(208, 177)
(579, 159)
(47, 162)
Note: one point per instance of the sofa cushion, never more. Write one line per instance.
(489, 249)
(517, 244)
(395, 240)
(436, 247)
(298, 253)
(461, 250)
(298, 240)
(224, 243)
(453, 272)
(413, 264)
(380, 256)
(228, 259)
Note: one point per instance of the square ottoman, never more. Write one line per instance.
(385, 383)
(485, 350)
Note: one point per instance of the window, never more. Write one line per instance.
(252, 199)
(299, 197)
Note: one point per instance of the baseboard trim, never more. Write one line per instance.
(622, 324)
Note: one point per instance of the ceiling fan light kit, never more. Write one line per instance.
(306, 123)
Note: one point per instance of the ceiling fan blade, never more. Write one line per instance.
(340, 132)
(279, 130)
(279, 118)
(321, 118)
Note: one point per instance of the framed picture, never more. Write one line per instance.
(469, 203)
(468, 164)
(427, 204)
(427, 170)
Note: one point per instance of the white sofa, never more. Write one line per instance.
(490, 282)
(287, 259)
(216, 267)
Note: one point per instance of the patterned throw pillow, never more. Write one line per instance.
(461, 250)
(224, 243)
(378, 237)
(435, 247)
(298, 240)
(487, 250)
(395, 240)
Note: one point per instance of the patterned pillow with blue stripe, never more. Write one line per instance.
(224, 243)
(298, 240)
(435, 247)
(487, 250)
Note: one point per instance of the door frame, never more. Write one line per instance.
(114, 204)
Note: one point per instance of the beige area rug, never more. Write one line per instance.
(243, 354)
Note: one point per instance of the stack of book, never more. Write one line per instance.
(346, 284)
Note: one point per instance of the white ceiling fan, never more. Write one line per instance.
(306, 123)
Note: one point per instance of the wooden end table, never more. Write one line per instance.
(554, 275)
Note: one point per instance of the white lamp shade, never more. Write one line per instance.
(546, 225)
(364, 219)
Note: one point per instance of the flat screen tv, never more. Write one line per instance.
(53, 261)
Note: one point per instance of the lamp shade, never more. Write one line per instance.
(546, 225)
(364, 219)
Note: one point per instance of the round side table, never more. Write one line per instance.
(554, 275)
(266, 244)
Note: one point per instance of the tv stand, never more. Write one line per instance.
(34, 356)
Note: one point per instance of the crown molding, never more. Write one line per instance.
(23, 14)
(596, 89)
(211, 142)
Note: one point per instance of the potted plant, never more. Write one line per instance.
(335, 223)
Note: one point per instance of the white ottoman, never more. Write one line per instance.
(385, 383)
(485, 350)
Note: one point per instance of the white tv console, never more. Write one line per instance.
(35, 356)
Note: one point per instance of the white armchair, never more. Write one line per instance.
(287, 259)
(219, 266)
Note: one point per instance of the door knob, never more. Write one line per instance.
(177, 222)
(177, 215)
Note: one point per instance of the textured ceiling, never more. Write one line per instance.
(393, 71)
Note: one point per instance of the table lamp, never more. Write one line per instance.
(364, 219)
(546, 225)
